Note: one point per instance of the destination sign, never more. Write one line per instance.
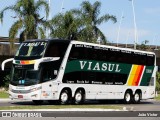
(34, 44)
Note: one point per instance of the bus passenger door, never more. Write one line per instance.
(47, 84)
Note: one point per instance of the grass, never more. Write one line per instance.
(60, 107)
(4, 94)
(158, 97)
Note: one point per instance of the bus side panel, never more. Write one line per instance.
(149, 91)
(109, 92)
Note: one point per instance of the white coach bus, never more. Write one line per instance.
(73, 71)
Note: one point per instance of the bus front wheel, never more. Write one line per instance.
(64, 97)
(79, 97)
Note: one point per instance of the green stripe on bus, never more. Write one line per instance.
(147, 75)
(97, 66)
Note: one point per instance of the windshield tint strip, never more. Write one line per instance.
(25, 62)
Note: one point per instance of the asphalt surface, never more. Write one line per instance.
(145, 105)
(133, 110)
(82, 118)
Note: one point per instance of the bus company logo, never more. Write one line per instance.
(99, 67)
(18, 66)
(149, 71)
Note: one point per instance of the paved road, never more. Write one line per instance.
(149, 105)
(79, 118)
(146, 105)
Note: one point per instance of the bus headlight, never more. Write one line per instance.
(35, 89)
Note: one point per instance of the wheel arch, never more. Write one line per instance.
(129, 90)
(68, 89)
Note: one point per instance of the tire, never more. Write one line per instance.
(137, 98)
(64, 97)
(78, 97)
(38, 102)
(128, 97)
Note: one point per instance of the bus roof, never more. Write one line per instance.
(40, 40)
(107, 46)
(92, 44)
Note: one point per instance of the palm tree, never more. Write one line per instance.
(90, 16)
(29, 21)
(143, 45)
(65, 26)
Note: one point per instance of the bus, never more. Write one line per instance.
(72, 72)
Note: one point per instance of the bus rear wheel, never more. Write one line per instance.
(128, 97)
(64, 97)
(79, 97)
(137, 97)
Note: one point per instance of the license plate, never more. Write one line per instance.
(20, 96)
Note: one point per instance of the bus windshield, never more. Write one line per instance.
(24, 77)
(31, 49)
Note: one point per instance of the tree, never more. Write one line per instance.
(65, 26)
(90, 16)
(27, 13)
(143, 45)
(158, 81)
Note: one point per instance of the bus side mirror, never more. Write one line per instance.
(6, 61)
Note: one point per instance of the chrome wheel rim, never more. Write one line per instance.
(136, 97)
(78, 97)
(128, 97)
(64, 97)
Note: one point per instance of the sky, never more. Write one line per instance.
(147, 17)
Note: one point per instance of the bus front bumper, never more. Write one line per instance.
(25, 93)
(28, 96)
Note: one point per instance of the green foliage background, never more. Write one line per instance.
(158, 81)
(6, 81)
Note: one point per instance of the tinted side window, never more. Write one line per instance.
(56, 49)
(49, 70)
(110, 55)
(78, 52)
(150, 60)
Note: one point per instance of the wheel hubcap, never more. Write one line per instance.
(64, 97)
(136, 97)
(78, 97)
(128, 97)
